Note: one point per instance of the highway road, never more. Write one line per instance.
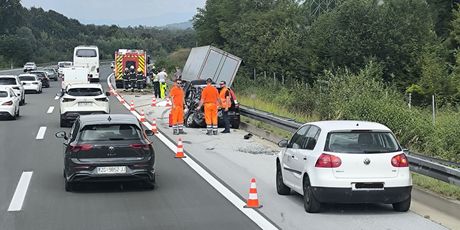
(181, 200)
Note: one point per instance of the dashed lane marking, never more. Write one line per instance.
(20, 193)
(50, 109)
(41, 133)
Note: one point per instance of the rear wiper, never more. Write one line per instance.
(375, 151)
(116, 138)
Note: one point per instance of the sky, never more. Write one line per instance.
(122, 12)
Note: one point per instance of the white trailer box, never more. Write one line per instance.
(73, 75)
(210, 62)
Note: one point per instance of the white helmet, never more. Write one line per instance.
(132, 67)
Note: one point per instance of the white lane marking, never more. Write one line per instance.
(20, 193)
(56, 98)
(50, 109)
(41, 133)
(255, 216)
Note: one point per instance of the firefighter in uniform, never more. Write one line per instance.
(132, 78)
(226, 103)
(210, 99)
(140, 79)
(178, 100)
(126, 79)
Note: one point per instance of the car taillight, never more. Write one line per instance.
(104, 99)
(400, 160)
(68, 99)
(328, 161)
(140, 146)
(8, 103)
(78, 148)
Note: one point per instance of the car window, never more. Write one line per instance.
(3, 94)
(26, 78)
(298, 138)
(7, 81)
(86, 53)
(74, 130)
(80, 92)
(110, 132)
(361, 142)
(312, 138)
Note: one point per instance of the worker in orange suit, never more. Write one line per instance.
(177, 96)
(226, 104)
(210, 99)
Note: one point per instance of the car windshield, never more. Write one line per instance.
(361, 142)
(110, 132)
(86, 53)
(39, 74)
(3, 94)
(26, 78)
(78, 92)
(7, 81)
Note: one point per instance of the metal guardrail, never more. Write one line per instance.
(427, 166)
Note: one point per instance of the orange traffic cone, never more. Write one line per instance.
(180, 150)
(253, 201)
(142, 116)
(168, 102)
(154, 101)
(154, 126)
(131, 108)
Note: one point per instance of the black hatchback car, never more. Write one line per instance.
(107, 147)
(43, 76)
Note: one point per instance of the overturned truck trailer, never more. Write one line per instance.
(208, 62)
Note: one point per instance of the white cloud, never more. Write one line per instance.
(122, 12)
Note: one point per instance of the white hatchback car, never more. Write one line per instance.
(79, 99)
(30, 66)
(31, 82)
(344, 162)
(9, 103)
(13, 82)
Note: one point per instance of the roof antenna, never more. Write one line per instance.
(109, 118)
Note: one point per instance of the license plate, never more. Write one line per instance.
(84, 103)
(111, 170)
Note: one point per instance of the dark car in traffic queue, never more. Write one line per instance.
(107, 148)
(52, 73)
(43, 76)
(194, 118)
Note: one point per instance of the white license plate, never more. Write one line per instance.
(111, 170)
(84, 103)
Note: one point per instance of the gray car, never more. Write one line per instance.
(107, 147)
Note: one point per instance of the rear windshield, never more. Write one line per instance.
(86, 53)
(26, 78)
(39, 74)
(110, 132)
(361, 142)
(76, 92)
(3, 94)
(7, 81)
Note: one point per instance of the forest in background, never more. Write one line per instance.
(48, 36)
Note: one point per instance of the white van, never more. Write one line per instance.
(74, 75)
(88, 56)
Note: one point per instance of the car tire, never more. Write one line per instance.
(17, 113)
(310, 203)
(68, 186)
(236, 124)
(402, 206)
(189, 121)
(63, 123)
(281, 188)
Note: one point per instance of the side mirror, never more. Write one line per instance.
(149, 132)
(61, 134)
(23, 83)
(107, 94)
(283, 143)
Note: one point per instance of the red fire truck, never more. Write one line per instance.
(125, 58)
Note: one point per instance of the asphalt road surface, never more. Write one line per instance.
(181, 199)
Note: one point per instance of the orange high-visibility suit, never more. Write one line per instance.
(177, 111)
(210, 98)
